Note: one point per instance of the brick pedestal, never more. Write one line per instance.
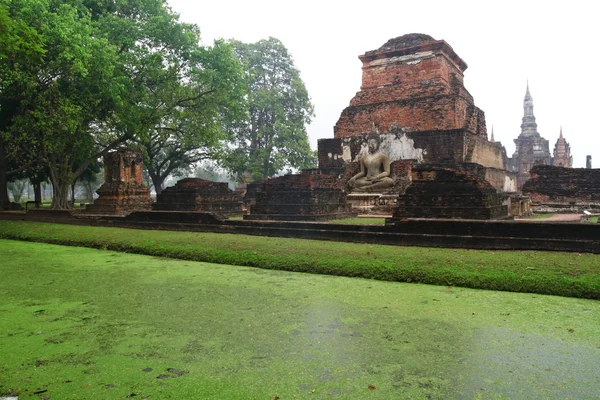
(309, 196)
(195, 194)
(458, 191)
(123, 190)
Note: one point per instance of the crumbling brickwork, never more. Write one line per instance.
(195, 194)
(457, 192)
(123, 190)
(451, 146)
(415, 83)
(413, 100)
(310, 196)
(331, 157)
(250, 195)
(563, 185)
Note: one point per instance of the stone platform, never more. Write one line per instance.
(452, 191)
(195, 194)
(559, 185)
(308, 196)
(120, 198)
(470, 234)
(372, 203)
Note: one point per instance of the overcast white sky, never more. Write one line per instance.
(553, 44)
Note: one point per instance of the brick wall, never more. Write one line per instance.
(450, 146)
(563, 185)
(195, 194)
(123, 165)
(418, 87)
(414, 115)
(330, 156)
(310, 195)
(460, 191)
(502, 180)
(484, 152)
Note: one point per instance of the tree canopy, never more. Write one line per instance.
(79, 78)
(192, 101)
(273, 136)
(57, 97)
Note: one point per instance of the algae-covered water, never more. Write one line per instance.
(89, 324)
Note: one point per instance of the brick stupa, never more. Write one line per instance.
(413, 82)
(123, 190)
(414, 102)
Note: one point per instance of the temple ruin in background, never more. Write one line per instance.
(562, 153)
(532, 149)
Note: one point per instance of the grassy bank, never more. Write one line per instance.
(564, 274)
(360, 221)
(81, 323)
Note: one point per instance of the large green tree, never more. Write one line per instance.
(192, 101)
(273, 137)
(61, 99)
(102, 75)
(18, 41)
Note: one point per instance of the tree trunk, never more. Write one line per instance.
(37, 193)
(89, 191)
(60, 199)
(4, 200)
(157, 181)
(73, 194)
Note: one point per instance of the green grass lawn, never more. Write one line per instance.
(540, 216)
(565, 274)
(82, 323)
(360, 221)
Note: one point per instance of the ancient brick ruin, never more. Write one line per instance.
(414, 103)
(413, 98)
(562, 153)
(250, 196)
(457, 192)
(123, 190)
(309, 196)
(573, 186)
(532, 149)
(416, 83)
(195, 194)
